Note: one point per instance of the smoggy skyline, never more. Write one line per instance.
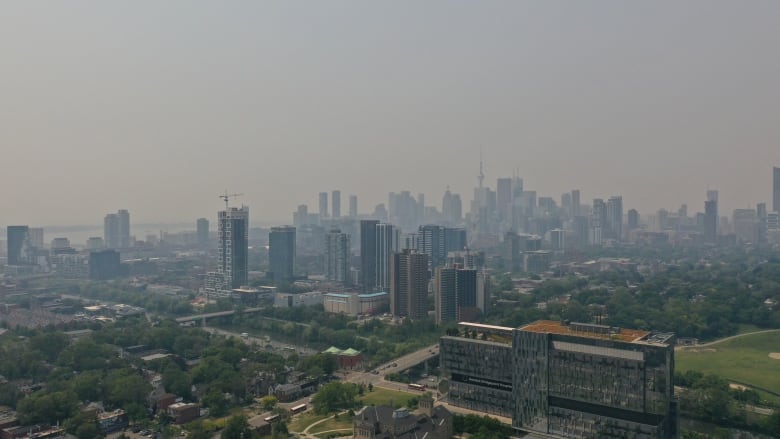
(158, 107)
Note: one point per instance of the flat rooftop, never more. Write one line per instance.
(586, 330)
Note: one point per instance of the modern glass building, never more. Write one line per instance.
(568, 380)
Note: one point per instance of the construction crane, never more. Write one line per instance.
(227, 197)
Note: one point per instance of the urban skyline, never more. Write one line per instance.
(441, 204)
(607, 104)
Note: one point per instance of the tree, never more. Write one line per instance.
(334, 396)
(237, 427)
(83, 426)
(268, 402)
(177, 381)
(215, 401)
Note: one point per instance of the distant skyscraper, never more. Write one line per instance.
(337, 256)
(233, 241)
(712, 195)
(454, 240)
(323, 205)
(353, 208)
(456, 294)
(615, 217)
(598, 219)
(746, 226)
(575, 203)
(19, 247)
(409, 285)
(203, 232)
(762, 213)
(95, 243)
(368, 254)
(775, 189)
(111, 231)
(281, 253)
(123, 216)
(421, 207)
(36, 237)
(457, 209)
(503, 196)
(387, 243)
(558, 239)
(711, 221)
(566, 203)
(301, 216)
(116, 229)
(336, 208)
(451, 208)
(581, 227)
(633, 219)
(431, 242)
(445, 295)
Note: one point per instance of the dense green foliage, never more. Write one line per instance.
(695, 295)
(92, 369)
(481, 427)
(377, 340)
(335, 396)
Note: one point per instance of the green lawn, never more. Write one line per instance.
(344, 422)
(380, 396)
(745, 359)
(300, 422)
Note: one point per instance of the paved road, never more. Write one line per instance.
(262, 342)
(401, 364)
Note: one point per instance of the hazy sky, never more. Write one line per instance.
(159, 106)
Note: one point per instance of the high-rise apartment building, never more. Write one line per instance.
(633, 219)
(337, 256)
(409, 285)
(456, 294)
(598, 221)
(19, 246)
(301, 216)
(202, 226)
(503, 196)
(323, 205)
(455, 240)
(566, 379)
(711, 221)
(111, 231)
(368, 254)
(387, 243)
(232, 250)
(281, 253)
(116, 229)
(123, 216)
(451, 208)
(775, 189)
(575, 203)
(336, 207)
(431, 242)
(445, 295)
(746, 226)
(36, 237)
(615, 217)
(353, 207)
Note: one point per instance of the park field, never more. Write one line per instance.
(743, 359)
